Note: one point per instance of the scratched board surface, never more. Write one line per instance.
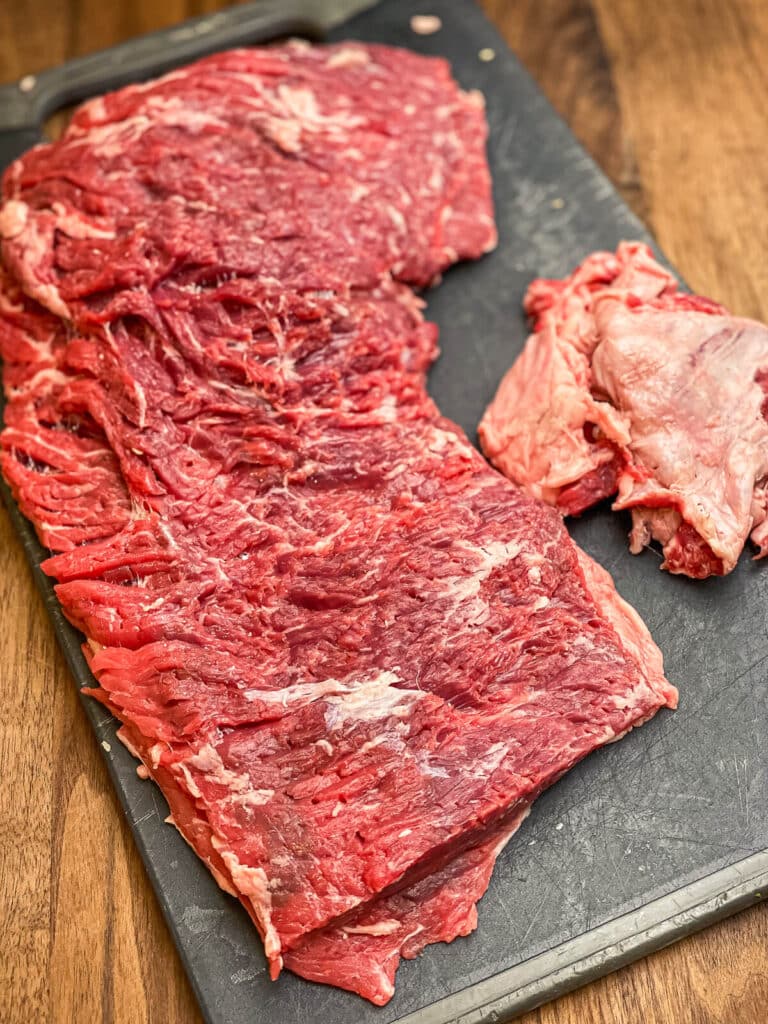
(675, 801)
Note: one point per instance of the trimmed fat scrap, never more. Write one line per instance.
(348, 651)
(628, 387)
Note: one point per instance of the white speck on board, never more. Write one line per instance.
(425, 24)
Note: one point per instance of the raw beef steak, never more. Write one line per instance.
(629, 386)
(349, 652)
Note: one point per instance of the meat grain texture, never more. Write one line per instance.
(349, 652)
(628, 387)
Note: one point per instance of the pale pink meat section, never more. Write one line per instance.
(628, 387)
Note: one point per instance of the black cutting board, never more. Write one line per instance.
(644, 841)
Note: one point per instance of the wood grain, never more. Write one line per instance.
(669, 98)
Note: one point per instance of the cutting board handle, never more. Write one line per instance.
(25, 104)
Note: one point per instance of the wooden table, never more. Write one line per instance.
(670, 99)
